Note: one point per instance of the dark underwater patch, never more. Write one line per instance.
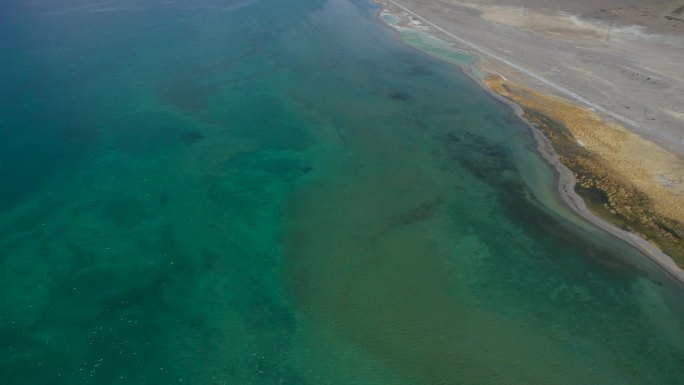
(419, 70)
(399, 95)
(192, 137)
(417, 214)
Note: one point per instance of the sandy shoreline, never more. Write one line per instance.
(566, 179)
(566, 188)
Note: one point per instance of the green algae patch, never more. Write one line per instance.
(419, 36)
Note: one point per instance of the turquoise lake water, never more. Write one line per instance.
(282, 192)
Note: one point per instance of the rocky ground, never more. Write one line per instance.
(656, 17)
(600, 50)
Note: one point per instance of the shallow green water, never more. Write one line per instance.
(215, 192)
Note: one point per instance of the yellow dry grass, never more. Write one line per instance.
(644, 183)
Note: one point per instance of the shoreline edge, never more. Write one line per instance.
(565, 178)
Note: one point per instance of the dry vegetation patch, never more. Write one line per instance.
(628, 181)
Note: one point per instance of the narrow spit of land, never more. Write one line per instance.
(636, 198)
